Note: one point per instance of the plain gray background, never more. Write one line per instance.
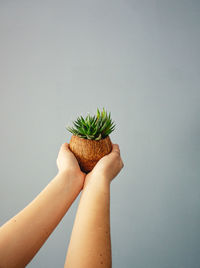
(138, 59)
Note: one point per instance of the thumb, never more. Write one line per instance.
(115, 149)
(64, 147)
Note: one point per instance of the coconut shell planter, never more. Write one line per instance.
(90, 140)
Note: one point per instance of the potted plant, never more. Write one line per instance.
(90, 140)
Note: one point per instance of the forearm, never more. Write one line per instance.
(90, 239)
(23, 235)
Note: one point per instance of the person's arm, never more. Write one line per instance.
(90, 244)
(23, 235)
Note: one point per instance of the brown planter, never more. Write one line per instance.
(89, 152)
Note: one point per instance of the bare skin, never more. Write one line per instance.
(23, 235)
(90, 244)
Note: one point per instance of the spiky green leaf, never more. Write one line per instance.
(93, 127)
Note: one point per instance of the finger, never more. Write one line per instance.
(122, 163)
(64, 147)
(115, 149)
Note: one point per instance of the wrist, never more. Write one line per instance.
(71, 177)
(63, 173)
(97, 180)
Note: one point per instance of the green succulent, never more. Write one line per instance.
(93, 127)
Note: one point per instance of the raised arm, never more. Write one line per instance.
(90, 244)
(23, 235)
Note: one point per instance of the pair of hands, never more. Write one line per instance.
(108, 166)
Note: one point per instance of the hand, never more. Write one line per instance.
(108, 166)
(67, 162)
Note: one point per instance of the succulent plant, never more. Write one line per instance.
(95, 127)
